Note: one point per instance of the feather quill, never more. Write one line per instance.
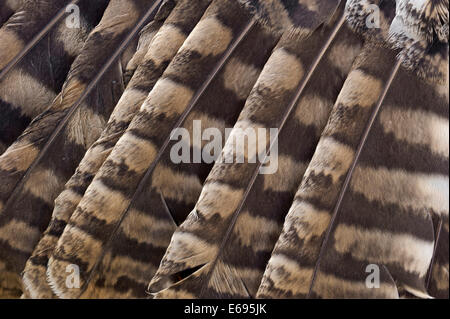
(152, 64)
(171, 190)
(18, 36)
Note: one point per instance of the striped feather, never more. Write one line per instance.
(23, 25)
(42, 71)
(221, 249)
(362, 178)
(383, 217)
(57, 139)
(152, 64)
(83, 241)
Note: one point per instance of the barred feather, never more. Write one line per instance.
(105, 201)
(54, 149)
(172, 190)
(384, 217)
(23, 25)
(358, 207)
(153, 62)
(41, 73)
(221, 249)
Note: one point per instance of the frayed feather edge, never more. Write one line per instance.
(428, 21)
(414, 50)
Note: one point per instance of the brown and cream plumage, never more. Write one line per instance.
(30, 86)
(185, 78)
(244, 216)
(149, 67)
(370, 199)
(356, 95)
(56, 139)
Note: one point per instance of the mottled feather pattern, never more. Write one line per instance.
(173, 189)
(427, 19)
(358, 12)
(357, 206)
(106, 198)
(156, 58)
(399, 196)
(297, 249)
(98, 187)
(418, 29)
(34, 273)
(42, 71)
(28, 213)
(225, 260)
(37, 93)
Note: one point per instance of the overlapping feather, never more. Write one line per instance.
(56, 140)
(185, 77)
(221, 249)
(358, 203)
(337, 233)
(41, 73)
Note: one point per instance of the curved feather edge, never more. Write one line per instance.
(294, 257)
